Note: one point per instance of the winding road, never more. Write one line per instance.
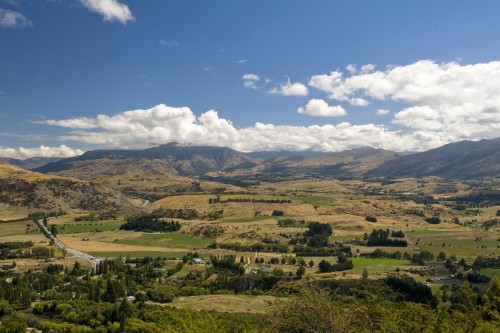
(94, 262)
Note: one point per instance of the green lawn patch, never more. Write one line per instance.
(79, 227)
(432, 232)
(182, 273)
(379, 265)
(345, 237)
(491, 272)
(314, 200)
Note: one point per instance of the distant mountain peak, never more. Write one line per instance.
(185, 159)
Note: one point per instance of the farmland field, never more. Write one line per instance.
(170, 240)
(340, 204)
(315, 200)
(80, 227)
(491, 272)
(379, 265)
(226, 303)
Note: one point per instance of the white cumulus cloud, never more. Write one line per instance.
(10, 19)
(111, 10)
(452, 100)
(290, 89)
(42, 151)
(161, 124)
(320, 108)
(250, 81)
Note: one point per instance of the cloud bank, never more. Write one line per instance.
(160, 124)
(42, 151)
(452, 100)
(111, 10)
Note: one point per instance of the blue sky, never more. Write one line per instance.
(321, 75)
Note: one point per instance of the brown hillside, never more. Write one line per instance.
(22, 188)
(349, 162)
(139, 175)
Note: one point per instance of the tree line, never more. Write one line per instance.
(380, 237)
(149, 223)
(342, 264)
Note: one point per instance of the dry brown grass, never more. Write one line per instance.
(19, 229)
(144, 175)
(340, 203)
(226, 303)
(11, 171)
(307, 186)
(198, 202)
(433, 186)
(8, 212)
(103, 242)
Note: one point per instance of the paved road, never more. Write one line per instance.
(93, 261)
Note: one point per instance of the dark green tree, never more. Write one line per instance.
(301, 271)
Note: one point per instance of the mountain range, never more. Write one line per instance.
(460, 160)
(185, 160)
(105, 178)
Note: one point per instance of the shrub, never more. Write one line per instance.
(277, 213)
(433, 220)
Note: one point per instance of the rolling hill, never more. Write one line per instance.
(32, 190)
(138, 176)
